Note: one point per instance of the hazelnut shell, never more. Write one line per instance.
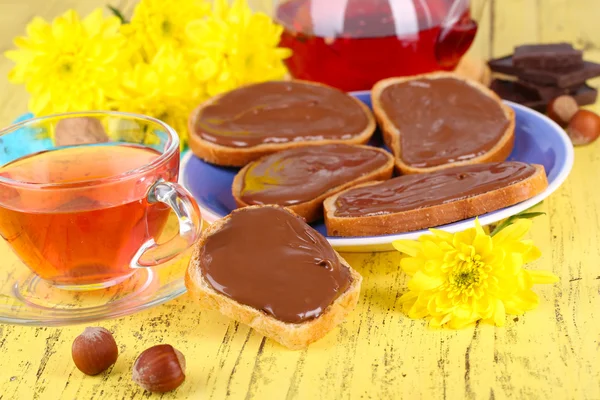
(584, 127)
(78, 131)
(562, 109)
(160, 369)
(94, 351)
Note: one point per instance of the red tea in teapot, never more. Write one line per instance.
(351, 44)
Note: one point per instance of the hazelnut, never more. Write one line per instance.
(561, 109)
(79, 130)
(584, 127)
(94, 350)
(160, 368)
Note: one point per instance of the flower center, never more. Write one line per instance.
(66, 67)
(467, 277)
(166, 27)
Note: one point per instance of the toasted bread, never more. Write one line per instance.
(291, 335)
(313, 210)
(392, 134)
(434, 215)
(239, 156)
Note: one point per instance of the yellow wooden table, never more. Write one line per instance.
(550, 353)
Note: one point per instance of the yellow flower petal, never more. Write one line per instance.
(521, 301)
(417, 310)
(409, 247)
(443, 235)
(482, 243)
(499, 313)
(39, 104)
(422, 281)
(459, 279)
(432, 249)
(464, 238)
(514, 232)
(408, 297)
(410, 265)
(38, 29)
(531, 254)
(542, 276)
(69, 65)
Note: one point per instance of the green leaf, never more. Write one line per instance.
(118, 14)
(512, 219)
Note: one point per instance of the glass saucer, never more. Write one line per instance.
(26, 299)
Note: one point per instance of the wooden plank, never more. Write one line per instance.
(515, 22)
(482, 13)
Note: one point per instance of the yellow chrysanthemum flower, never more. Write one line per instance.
(162, 89)
(234, 47)
(459, 279)
(159, 23)
(71, 64)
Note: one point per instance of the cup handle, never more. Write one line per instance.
(190, 225)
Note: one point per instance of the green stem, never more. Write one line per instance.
(117, 14)
(511, 220)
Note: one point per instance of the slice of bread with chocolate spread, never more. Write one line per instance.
(418, 201)
(302, 177)
(265, 267)
(247, 123)
(441, 120)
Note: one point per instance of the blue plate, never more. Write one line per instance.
(538, 140)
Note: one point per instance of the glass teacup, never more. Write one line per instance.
(87, 214)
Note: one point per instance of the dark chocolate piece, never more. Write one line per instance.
(271, 260)
(443, 120)
(409, 192)
(302, 174)
(507, 91)
(280, 112)
(584, 95)
(545, 93)
(562, 79)
(550, 57)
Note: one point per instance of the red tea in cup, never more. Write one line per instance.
(78, 216)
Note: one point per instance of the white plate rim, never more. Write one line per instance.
(492, 217)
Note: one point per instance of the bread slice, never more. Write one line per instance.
(240, 156)
(392, 135)
(291, 335)
(432, 216)
(313, 210)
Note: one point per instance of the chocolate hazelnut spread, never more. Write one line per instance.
(280, 112)
(409, 192)
(442, 120)
(302, 174)
(271, 260)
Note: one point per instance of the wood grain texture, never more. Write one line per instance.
(549, 353)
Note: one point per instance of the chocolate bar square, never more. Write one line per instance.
(550, 57)
(561, 79)
(506, 90)
(545, 93)
(531, 98)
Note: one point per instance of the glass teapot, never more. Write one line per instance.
(351, 44)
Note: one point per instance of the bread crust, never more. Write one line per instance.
(238, 157)
(391, 134)
(313, 210)
(429, 217)
(293, 336)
